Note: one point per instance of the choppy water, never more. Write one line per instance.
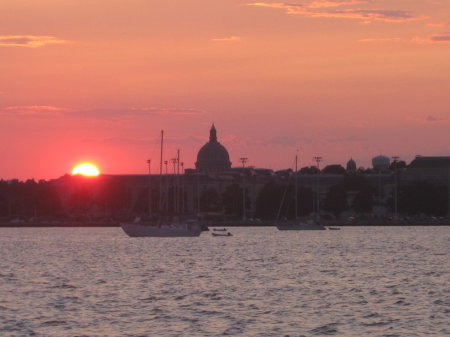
(382, 281)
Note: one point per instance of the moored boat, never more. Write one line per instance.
(163, 224)
(222, 234)
(174, 227)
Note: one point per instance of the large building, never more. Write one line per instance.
(213, 156)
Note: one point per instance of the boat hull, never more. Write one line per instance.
(171, 230)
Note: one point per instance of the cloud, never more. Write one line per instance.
(439, 25)
(145, 142)
(227, 39)
(340, 10)
(386, 39)
(434, 119)
(52, 111)
(30, 41)
(133, 112)
(334, 3)
(440, 38)
(283, 141)
(348, 139)
(33, 111)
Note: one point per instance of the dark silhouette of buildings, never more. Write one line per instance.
(417, 190)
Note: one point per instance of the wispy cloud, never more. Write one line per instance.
(440, 38)
(429, 119)
(438, 25)
(286, 141)
(227, 39)
(383, 39)
(30, 41)
(341, 10)
(52, 111)
(434, 119)
(33, 111)
(437, 38)
(133, 112)
(334, 3)
(144, 142)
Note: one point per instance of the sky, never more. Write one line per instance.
(96, 80)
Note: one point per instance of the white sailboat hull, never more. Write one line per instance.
(165, 230)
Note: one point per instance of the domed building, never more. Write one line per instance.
(351, 166)
(213, 156)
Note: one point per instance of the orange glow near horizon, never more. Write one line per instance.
(86, 169)
(338, 79)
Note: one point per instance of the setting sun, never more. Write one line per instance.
(86, 169)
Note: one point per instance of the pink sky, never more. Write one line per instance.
(97, 80)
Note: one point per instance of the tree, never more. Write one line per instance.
(336, 200)
(334, 169)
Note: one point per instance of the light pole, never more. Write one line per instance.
(395, 158)
(318, 159)
(149, 188)
(296, 187)
(243, 160)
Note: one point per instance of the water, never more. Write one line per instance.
(381, 281)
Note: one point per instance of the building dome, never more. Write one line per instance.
(351, 166)
(381, 162)
(213, 156)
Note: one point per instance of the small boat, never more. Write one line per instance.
(222, 234)
(219, 229)
(174, 227)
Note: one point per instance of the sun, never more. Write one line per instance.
(86, 169)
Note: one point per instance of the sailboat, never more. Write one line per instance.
(296, 224)
(160, 225)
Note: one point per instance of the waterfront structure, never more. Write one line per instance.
(214, 187)
(431, 169)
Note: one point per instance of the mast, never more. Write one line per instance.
(178, 183)
(161, 160)
(160, 174)
(296, 187)
(149, 189)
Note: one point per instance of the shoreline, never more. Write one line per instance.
(232, 224)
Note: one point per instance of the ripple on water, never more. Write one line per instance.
(328, 329)
(98, 282)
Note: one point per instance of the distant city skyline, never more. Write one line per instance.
(97, 81)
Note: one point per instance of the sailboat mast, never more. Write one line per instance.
(296, 187)
(149, 189)
(161, 160)
(178, 194)
(160, 174)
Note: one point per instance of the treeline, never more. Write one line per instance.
(68, 197)
(354, 195)
(108, 198)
